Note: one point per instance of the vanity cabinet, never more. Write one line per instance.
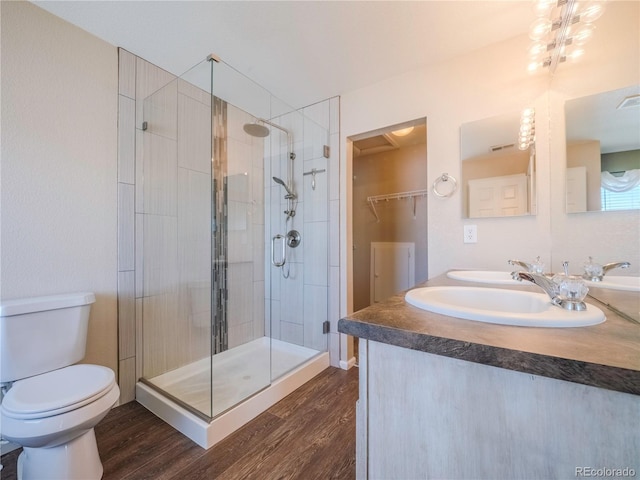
(448, 398)
(428, 416)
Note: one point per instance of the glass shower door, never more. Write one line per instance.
(173, 235)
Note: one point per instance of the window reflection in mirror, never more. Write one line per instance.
(603, 151)
(498, 174)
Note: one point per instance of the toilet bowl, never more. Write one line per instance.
(52, 413)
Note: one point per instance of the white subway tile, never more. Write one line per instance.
(139, 250)
(127, 380)
(315, 254)
(149, 80)
(159, 175)
(334, 168)
(160, 254)
(315, 199)
(292, 333)
(126, 139)
(138, 338)
(334, 233)
(126, 227)
(240, 294)
(334, 349)
(292, 297)
(196, 93)
(315, 313)
(194, 135)
(319, 113)
(139, 171)
(127, 74)
(126, 315)
(334, 297)
(258, 308)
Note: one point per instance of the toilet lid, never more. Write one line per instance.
(57, 392)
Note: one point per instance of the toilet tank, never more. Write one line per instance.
(41, 334)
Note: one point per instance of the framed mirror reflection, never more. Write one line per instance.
(603, 151)
(498, 166)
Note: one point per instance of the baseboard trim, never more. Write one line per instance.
(348, 364)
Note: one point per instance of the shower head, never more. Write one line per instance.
(256, 130)
(280, 182)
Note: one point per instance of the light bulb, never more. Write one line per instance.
(590, 12)
(534, 66)
(540, 29)
(542, 8)
(538, 48)
(575, 54)
(528, 112)
(402, 132)
(582, 35)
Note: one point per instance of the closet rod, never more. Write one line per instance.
(372, 200)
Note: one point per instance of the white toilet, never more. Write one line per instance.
(50, 405)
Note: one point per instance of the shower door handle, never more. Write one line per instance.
(273, 250)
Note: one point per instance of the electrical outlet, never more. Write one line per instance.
(470, 234)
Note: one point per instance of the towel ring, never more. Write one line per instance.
(444, 178)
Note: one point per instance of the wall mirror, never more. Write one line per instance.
(498, 168)
(603, 151)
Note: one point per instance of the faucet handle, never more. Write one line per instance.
(534, 267)
(537, 266)
(570, 289)
(592, 271)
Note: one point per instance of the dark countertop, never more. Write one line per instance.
(605, 355)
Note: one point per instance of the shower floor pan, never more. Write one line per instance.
(237, 374)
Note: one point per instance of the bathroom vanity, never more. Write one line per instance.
(442, 397)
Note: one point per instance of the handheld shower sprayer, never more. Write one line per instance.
(290, 194)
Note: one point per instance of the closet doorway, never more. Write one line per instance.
(389, 211)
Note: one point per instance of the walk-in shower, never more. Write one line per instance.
(234, 315)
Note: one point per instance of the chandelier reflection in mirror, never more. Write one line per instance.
(527, 135)
(560, 31)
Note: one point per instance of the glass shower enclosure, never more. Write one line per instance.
(234, 276)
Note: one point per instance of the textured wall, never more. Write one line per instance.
(59, 137)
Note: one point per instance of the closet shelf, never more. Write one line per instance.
(413, 194)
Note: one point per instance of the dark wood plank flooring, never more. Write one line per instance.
(308, 435)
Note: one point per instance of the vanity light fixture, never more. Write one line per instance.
(527, 129)
(560, 31)
(402, 132)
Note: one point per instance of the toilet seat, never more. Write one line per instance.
(57, 392)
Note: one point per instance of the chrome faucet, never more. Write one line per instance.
(595, 272)
(565, 291)
(543, 282)
(534, 267)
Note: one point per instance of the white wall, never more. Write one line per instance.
(59, 139)
(490, 82)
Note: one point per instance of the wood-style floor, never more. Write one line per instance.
(308, 435)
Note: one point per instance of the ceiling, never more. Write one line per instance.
(391, 139)
(301, 51)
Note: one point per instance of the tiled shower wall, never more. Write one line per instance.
(167, 215)
(176, 293)
(298, 305)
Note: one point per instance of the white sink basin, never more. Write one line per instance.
(484, 276)
(612, 282)
(506, 307)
